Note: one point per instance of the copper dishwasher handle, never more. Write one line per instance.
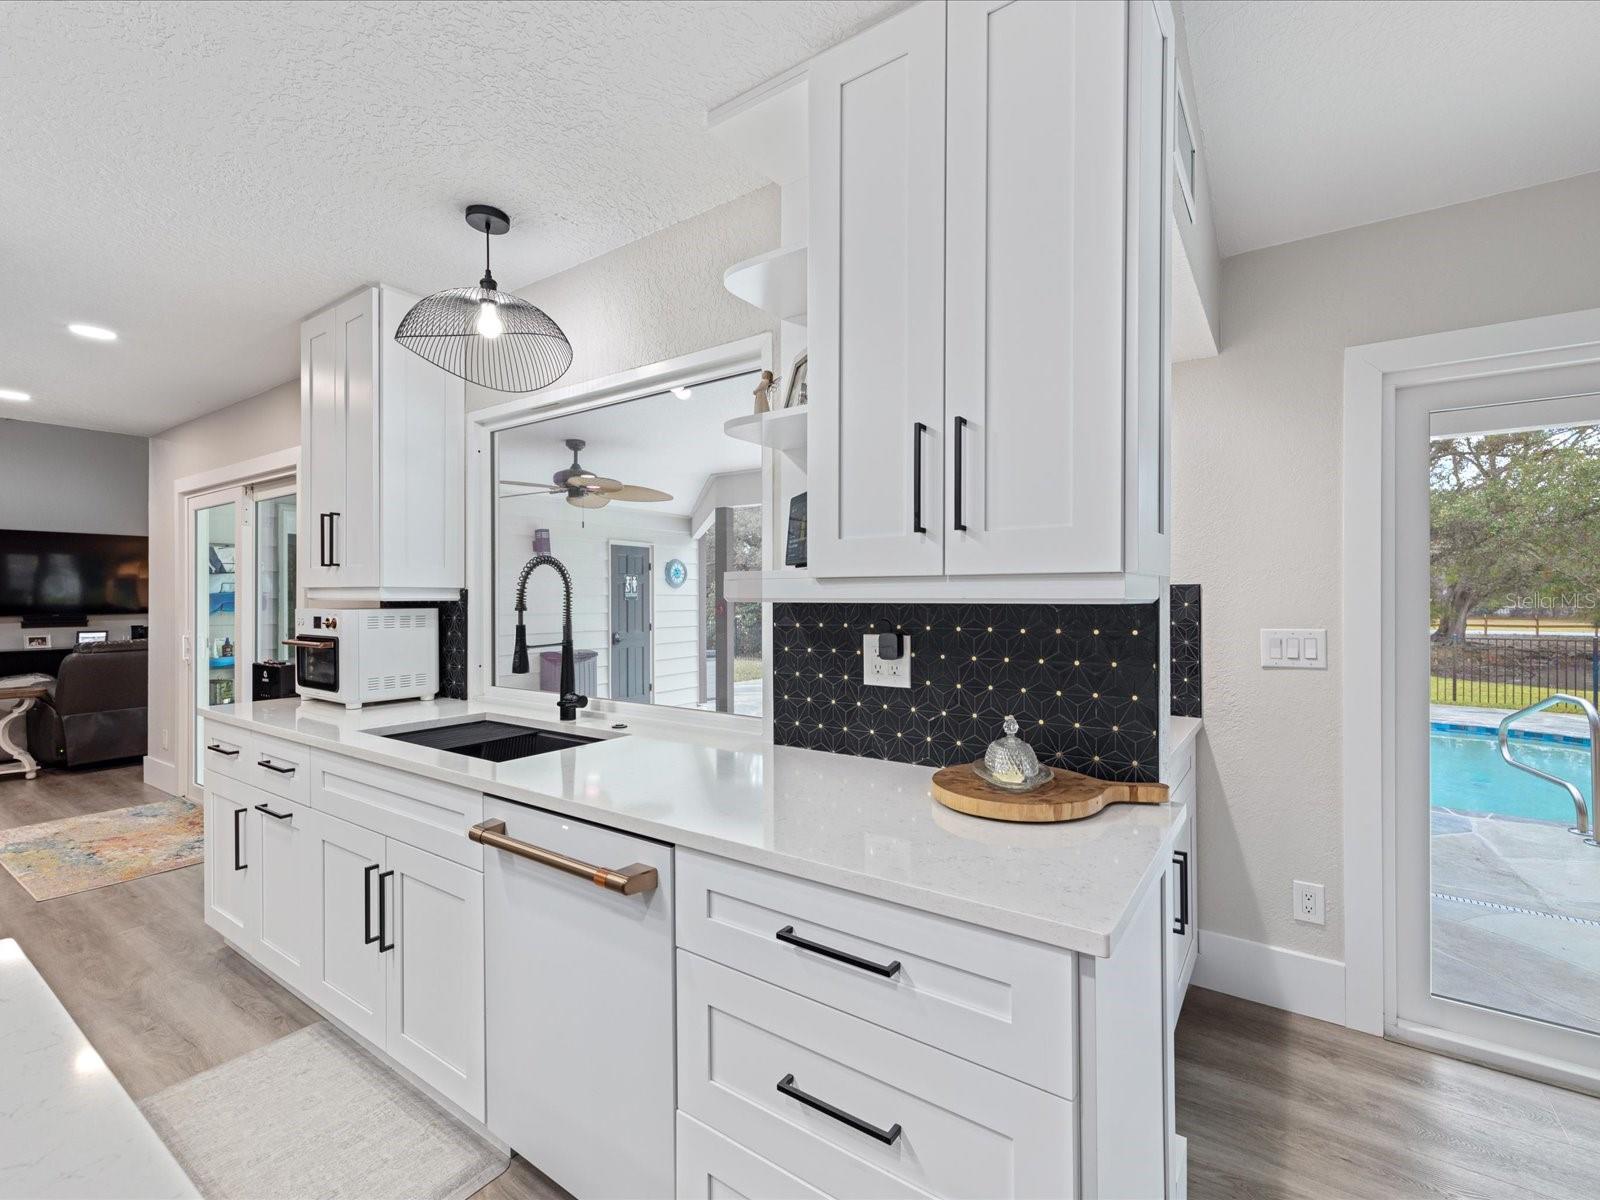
(629, 880)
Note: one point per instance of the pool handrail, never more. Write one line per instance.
(1582, 829)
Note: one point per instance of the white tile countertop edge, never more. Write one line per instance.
(861, 824)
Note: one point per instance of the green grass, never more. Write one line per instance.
(1476, 694)
(746, 669)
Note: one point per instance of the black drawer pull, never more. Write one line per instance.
(1181, 859)
(887, 1136)
(262, 808)
(917, 430)
(366, 905)
(787, 934)
(960, 454)
(384, 943)
(272, 766)
(238, 815)
(222, 750)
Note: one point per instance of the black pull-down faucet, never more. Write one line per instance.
(569, 701)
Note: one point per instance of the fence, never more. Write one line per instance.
(1510, 672)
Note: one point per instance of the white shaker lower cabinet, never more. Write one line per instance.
(580, 997)
(712, 1167)
(233, 895)
(282, 850)
(348, 975)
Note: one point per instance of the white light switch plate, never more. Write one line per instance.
(1295, 649)
(884, 672)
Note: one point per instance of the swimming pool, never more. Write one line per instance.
(1467, 774)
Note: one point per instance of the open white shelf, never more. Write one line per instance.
(784, 430)
(774, 282)
(795, 584)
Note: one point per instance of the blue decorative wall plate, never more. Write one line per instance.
(675, 572)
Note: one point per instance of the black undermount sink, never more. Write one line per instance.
(493, 741)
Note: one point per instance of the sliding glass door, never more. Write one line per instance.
(240, 567)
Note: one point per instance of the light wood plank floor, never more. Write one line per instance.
(1273, 1105)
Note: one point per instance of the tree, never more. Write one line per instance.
(1513, 514)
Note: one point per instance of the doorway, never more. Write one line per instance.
(632, 628)
(241, 547)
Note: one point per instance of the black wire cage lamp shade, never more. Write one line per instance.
(484, 335)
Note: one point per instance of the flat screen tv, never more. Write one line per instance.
(44, 574)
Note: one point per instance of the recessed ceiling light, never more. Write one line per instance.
(682, 393)
(13, 394)
(96, 332)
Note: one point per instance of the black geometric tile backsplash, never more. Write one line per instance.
(1082, 681)
(452, 642)
(1186, 649)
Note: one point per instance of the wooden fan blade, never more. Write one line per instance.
(588, 501)
(595, 483)
(637, 494)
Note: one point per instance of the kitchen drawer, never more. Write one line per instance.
(933, 1122)
(710, 1167)
(282, 768)
(228, 750)
(998, 1000)
(421, 812)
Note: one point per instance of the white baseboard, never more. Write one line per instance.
(161, 774)
(1286, 979)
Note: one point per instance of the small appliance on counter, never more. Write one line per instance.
(356, 656)
(272, 680)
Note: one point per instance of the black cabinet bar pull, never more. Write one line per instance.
(272, 766)
(238, 815)
(322, 539)
(366, 906)
(887, 1136)
(333, 539)
(384, 945)
(222, 750)
(917, 430)
(787, 934)
(262, 808)
(1181, 858)
(960, 522)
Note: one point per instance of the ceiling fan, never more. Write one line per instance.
(585, 489)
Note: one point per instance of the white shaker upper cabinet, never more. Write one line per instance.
(1033, 288)
(876, 303)
(381, 456)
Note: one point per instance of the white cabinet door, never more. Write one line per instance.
(1033, 288)
(231, 888)
(580, 1009)
(1182, 931)
(876, 368)
(282, 848)
(354, 528)
(322, 438)
(435, 923)
(349, 904)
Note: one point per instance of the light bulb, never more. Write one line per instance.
(489, 323)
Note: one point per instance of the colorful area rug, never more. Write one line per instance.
(79, 854)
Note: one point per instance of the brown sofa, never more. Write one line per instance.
(97, 710)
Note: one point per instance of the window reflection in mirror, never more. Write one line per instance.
(646, 502)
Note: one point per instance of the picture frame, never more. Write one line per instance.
(37, 641)
(795, 394)
(794, 551)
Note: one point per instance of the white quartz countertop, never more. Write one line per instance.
(857, 823)
(66, 1126)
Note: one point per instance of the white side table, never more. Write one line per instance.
(10, 725)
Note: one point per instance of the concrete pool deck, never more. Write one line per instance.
(1516, 903)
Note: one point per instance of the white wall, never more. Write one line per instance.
(71, 481)
(1256, 507)
(583, 544)
(249, 429)
(659, 297)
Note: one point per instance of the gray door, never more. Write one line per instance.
(630, 623)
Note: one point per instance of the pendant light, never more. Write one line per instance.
(484, 335)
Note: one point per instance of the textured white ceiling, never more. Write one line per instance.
(1317, 115)
(199, 176)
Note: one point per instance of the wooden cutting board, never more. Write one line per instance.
(1067, 797)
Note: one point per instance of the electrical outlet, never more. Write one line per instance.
(885, 672)
(1308, 905)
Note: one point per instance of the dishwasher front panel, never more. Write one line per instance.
(579, 997)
